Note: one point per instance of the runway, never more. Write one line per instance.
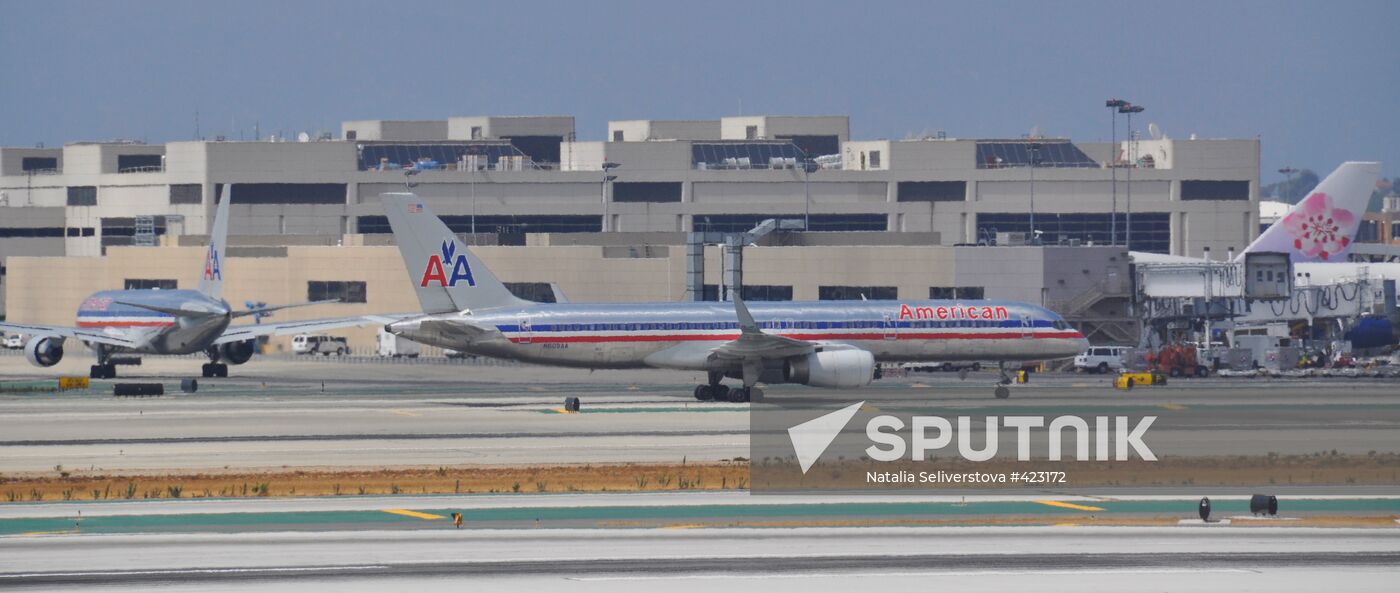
(278, 414)
(789, 559)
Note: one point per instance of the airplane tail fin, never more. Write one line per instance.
(211, 280)
(1322, 226)
(447, 276)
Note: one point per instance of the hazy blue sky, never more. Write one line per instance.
(1318, 82)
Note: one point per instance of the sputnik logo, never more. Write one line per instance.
(211, 264)
(811, 438)
(436, 270)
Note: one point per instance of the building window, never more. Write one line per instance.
(756, 292)
(1215, 190)
(140, 163)
(187, 193)
(289, 193)
(351, 134)
(1368, 232)
(646, 191)
(476, 132)
(500, 224)
(874, 159)
(931, 191)
(1151, 230)
(956, 292)
(1395, 230)
(347, 292)
(82, 195)
(856, 293)
(149, 284)
(738, 223)
(751, 132)
(39, 163)
(539, 292)
(617, 135)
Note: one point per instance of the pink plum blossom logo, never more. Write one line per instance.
(1319, 230)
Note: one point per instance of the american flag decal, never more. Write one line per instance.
(415, 208)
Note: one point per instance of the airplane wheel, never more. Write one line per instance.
(703, 393)
(1002, 392)
(738, 395)
(206, 371)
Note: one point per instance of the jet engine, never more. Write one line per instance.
(44, 351)
(842, 369)
(238, 352)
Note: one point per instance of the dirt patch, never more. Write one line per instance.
(443, 480)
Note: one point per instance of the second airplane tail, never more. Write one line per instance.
(446, 275)
(1322, 226)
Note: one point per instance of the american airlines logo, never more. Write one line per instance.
(438, 267)
(892, 439)
(211, 264)
(955, 312)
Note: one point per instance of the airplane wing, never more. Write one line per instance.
(754, 344)
(267, 310)
(76, 333)
(239, 333)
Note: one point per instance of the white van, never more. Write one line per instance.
(319, 344)
(14, 341)
(392, 346)
(1101, 359)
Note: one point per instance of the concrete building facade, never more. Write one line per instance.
(513, 176)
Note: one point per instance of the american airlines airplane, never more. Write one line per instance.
(833, 344)
(168, 321)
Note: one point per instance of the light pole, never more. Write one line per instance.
(1113, 106)
(607, 167)
(1035, 151)
(1130, 109)
(473, 184)
(807, 167)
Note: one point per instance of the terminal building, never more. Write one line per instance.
(608, 220)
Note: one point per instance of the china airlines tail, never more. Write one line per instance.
(446, 275)
(1322, 226)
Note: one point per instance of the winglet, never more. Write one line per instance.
(746, 323)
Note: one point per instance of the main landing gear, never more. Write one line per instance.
(104, 369)
(214, 368)
(715, 391)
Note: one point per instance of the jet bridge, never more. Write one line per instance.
(732, 258)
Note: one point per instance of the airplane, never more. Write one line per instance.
(164, 322)
(833, 344)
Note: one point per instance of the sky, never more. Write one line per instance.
(1317, 82)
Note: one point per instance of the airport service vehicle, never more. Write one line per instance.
(1101, 359)
(391, 346)
(1139, 379)
(320, 344)
(114, 322)
(834, 344)
(14, 341)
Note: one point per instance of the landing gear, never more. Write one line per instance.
(104, 369)
(745, 394)
(571, 404)
(214, 368)
(1002, 391)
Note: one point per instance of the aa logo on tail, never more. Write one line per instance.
(436, 271)
(211, 264)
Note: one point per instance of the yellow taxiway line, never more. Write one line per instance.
(1068, 505)
(414, 514)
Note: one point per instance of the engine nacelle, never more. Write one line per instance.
(844, 369)
(44, 351)
(238, 352)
